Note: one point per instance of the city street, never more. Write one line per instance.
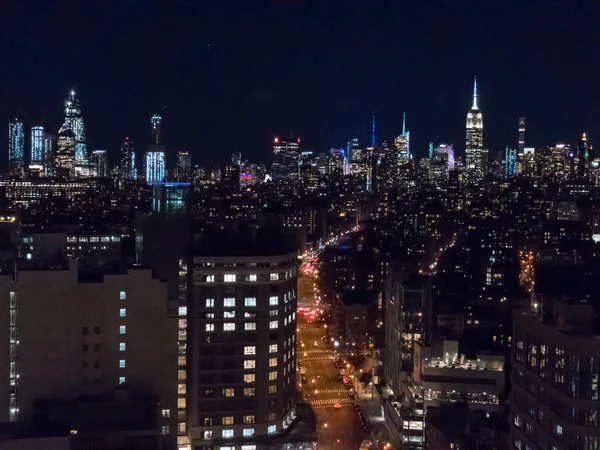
(338, 425)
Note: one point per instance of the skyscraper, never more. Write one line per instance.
(16, 148)
(100, 163)
(286, 157)
(156, 132)
(183, 168)
(48, 155)
(74, 121)
(521, 135)
(37, 145)
(64, 159)
(582, 156)
(155, 165)
(510, 161)
(127, 164)
(475, 155)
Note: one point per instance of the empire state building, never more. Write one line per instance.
(476, 156)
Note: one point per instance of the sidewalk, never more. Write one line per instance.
(372, 407)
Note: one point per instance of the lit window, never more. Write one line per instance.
(210, 327)
(165, 430)
(122, 295)
(227, 433)
(183, 311)
(229, 302)
(249, 392)
(559, 430)
(273, 389)
(248, 431)
(228, 392)
(272, 376)
(249, 350)
(121, 380)
(273, 312)
(121, 346)
(229, 278)
(252, 277)
(181, 403)
(250, 301)
(227, 420)
(122, 363)
(274, 300)
(166, 413)
(207, 434)
(273, 324)
(229, 314)
(210, 278)
(274, 276)
(250, 364)
(229, 326)
(249, 378)
(272, 362)
(272, 429)
(273, 348)
(210, 303)
(249, 419)
(250, 326)
(122, 329)
(122, 312)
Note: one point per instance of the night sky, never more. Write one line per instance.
(229, 75)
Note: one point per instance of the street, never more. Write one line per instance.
(337, 427)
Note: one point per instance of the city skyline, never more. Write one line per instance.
(265, 101)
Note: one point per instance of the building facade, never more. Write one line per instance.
(476, 156)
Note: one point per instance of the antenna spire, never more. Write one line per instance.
(403, 123)
(475, 94)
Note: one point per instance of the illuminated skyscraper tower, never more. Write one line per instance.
(64, 158)
(127, 165)
(476, 157)
(521, 136)
(16, 148)
(156, 133)
(74, 121)
(37, 145)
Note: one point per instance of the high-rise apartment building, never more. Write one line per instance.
(74, 121)
(37, 145)
(555, 372)
(16, 148)
(127, 169)
(476, 156)
(521, 136)
(91, 334)
(242, 341)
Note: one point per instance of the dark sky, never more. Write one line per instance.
(230, 75)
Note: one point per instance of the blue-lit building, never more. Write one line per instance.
(155, 164)
(16, 148)
(74, 121)
(37, 145)
(510, 159)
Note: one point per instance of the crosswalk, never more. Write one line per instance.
(327, 391)
(330, 401)
(315, 358)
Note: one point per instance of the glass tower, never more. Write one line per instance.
(37, 145)
(74, 121)
(16, 147)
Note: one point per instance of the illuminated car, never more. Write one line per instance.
(337, 405)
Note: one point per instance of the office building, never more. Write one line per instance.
(37, 145)
(476, 156)
(510, 162)
(48, 155)
(183, 168)
(92, 334)
(155, 164)
(16, 148)
(64, 157)
(242, 340)
(582, 157)
(286, 158)
(521, 136)
(127, 169)
(100, 163)
(74, 121)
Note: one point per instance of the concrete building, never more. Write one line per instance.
(70, 334)
(242, 340)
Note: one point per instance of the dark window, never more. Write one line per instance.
(96, 347)
(96, 365)
(84, 348)
(84, 330)
(84, 364)
(96, 330)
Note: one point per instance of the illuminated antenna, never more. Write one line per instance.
(373, 132)
(403, 123)
(475, 94)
